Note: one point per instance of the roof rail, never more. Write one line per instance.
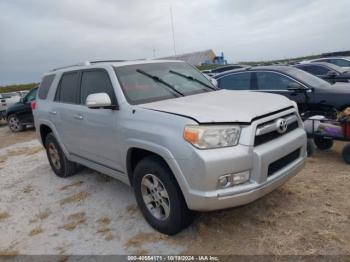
(86, 63)
(106, 61)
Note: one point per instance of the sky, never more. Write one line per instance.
(38, 35)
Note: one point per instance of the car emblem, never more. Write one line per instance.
(281, 126)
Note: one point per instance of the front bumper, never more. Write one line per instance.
(257, 161)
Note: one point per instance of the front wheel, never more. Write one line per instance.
(159, 197)
(323, 143)
(14, 123)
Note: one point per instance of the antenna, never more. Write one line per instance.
(172, 28)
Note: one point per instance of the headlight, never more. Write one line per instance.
(212, 136)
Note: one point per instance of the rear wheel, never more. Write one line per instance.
(58, 161)
(14, 123)
(323, 143)
(159, 197)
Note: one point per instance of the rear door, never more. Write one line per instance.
(65, 111)
(235, 81)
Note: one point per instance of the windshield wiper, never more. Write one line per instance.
(192, 79)
(157, 79)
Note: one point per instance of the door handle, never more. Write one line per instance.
(78, 117)
(53, 112)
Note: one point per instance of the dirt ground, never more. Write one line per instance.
(92, 214)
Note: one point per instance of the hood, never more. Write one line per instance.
(222, 106)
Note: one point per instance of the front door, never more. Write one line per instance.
(273, 82)
(99, 140)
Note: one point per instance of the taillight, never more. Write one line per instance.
(33, 105)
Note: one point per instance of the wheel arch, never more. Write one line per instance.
(137, 153)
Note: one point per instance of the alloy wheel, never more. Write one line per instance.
(54, 156)
(14, 123)
(155, 197)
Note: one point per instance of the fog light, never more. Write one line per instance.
(240, 178)
(224, 181)
(233, 179)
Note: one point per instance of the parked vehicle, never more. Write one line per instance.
(7, 100)
(20, 115)
(327, 71)
(342, 61)
(221, 69)
(311, 93)
(163, 128)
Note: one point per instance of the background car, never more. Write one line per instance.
(7, 100)
(312, 94)
(327, 71)
(20, 114)
(339, 61)
(221, 69)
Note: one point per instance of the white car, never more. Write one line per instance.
(7, 100)
(342, 61)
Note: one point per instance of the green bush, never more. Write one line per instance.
(14, 88)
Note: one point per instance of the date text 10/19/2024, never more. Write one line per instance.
(173, 258)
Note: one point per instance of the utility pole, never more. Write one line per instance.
(172, 27)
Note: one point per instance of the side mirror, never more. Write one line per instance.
(295, 87)
(99, 100)
(332, 74)
(21, 100)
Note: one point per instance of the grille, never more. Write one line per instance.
(282, 162)
(274, 134)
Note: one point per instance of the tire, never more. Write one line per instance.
(147, 172)
(310, 147)
(346, 153)
(14, 123)
(323, 143)
(58, 161)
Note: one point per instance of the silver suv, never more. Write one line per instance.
(163, 128)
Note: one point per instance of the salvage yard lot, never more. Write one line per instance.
(90, 213)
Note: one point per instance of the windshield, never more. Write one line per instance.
(151, 82)
(307, 78)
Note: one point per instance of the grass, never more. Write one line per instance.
(15, 88)
(74, 220)
(78, 183)
(36, 231)
(75, 198)
(4, 215)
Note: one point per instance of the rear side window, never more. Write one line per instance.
(235, 81)
(45, 86)
(68, 89)
(341, 62)
(96, 81)
(317, 70)
(272, 81)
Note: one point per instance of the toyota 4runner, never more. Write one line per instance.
(164, 129)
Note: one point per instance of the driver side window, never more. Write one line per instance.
(272, 81)
(341, 62)
(30, 96)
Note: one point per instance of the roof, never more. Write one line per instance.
(195, 58)
(281, 68)
(115, 63)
